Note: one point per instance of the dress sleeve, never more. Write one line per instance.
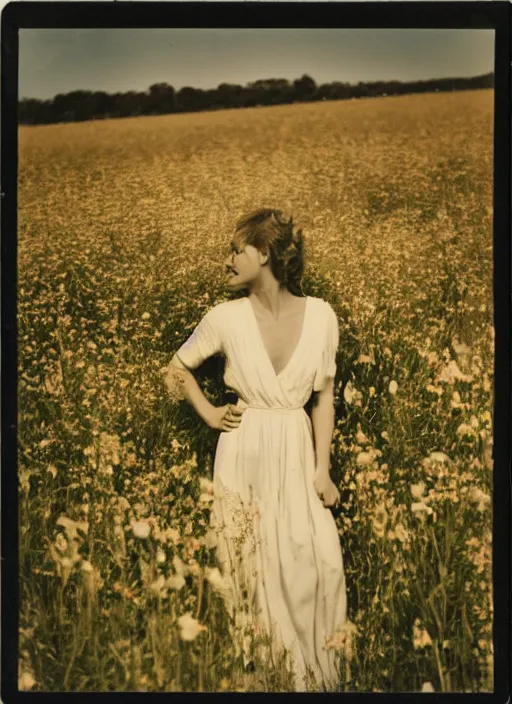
(327, 360)
(204, 342)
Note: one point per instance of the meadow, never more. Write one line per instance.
(123, 229)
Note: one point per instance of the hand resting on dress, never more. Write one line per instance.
(225, 418)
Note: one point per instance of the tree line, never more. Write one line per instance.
(162, 99)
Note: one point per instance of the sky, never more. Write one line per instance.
(55, 61)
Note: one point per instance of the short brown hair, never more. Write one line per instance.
(270, 232)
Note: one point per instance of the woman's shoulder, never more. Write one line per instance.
(224, 309)
(321, 304)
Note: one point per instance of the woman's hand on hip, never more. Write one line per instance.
(225, 418)
(326, 488)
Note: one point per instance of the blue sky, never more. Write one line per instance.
(58, 61)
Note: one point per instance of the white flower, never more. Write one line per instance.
(206, 485)
(190, 627)
(477, 496)
(421, 507)
(393, 387)
(176, 581)
(417, 490)
(215, 578)
(141, 529)
(351, 394)
(179, 566)
(159, 585)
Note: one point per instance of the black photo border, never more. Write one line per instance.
(461, 14)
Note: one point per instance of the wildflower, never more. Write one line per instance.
(360, 436)
(451, 373)
(371, 391)
(205, 498)
(379, 521)
(26, 681)
(206, 485)
(72, 527)
(477, 496)
(365, 359)
(401, 533)
(190, 627)
(160, 556)
(421, 637)
(215, 578)
(464, 430)
(159, 585)
(179, 566)
(417, 490)
(435, 389)
(421, 507)
(141, 529)
(176, 581)
(86, 566)
(393, 387)
(455, 401)
(351, 394)
(385, 435)
(146, 316)
(364, 458)
(427, 687)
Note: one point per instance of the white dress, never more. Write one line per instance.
(278, 546)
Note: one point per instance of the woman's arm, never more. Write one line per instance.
(322, 416)
(220, 418)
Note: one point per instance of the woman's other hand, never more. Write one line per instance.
(325, 488)
(225, 418)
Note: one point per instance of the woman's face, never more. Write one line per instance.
(243, 264)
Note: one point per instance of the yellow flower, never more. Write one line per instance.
(393, 387)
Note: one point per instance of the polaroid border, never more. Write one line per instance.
(464, 14)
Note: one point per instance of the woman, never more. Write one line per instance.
(278, 545)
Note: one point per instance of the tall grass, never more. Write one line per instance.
(123, 227)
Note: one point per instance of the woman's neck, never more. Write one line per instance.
(270, 295)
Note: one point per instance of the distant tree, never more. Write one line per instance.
(304, 88)
(229, 95)
(161, 100)
(190, 99)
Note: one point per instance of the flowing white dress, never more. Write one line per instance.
(278, 546)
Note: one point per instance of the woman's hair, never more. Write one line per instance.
(273, 234)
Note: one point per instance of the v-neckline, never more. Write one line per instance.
(262, 344)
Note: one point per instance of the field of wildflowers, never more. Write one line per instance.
(123, 228)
